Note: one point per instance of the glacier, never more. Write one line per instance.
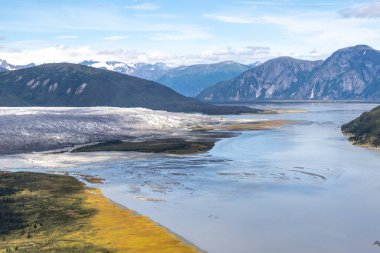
(27, 129)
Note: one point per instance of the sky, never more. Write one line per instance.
(183, 32)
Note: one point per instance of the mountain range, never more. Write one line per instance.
(143, 70)
(187, 80)
(5, 66)
(191, 80)
(65, 84)
(351, 73)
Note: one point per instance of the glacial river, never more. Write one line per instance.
(298, 188)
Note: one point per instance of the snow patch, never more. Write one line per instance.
(80, 89)
(312, 93)
(35, 85)
(53, 87)
(30, 83)
(45, 82)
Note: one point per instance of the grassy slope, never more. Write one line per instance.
(53, 213)
(365, 129)
(59, 85)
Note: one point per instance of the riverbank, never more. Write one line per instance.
(200, 139)
(364, 130)
(56, 213)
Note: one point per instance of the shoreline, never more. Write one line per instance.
(105, 226)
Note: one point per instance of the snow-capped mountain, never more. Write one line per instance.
(5, 66)
(188, 80)
(142, 70)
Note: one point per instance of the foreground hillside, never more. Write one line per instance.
(365, 129)
(53, 213)
(349, 74)
(67, 84)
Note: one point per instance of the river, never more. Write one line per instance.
(298, 188)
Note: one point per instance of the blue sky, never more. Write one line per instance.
(182, 31)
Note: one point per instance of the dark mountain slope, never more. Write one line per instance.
(365, 129)
(279, 78)
(349, 74)
(67, 84)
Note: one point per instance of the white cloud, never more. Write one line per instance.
(78, 54)
(46, 55)
(115, 38)
(369, 9)
(66, 37)
(143, 7)
(247, 54)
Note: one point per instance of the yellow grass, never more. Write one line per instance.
(245, 126)
(121, 230)
(61, 215)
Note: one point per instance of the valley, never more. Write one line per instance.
(313, 181)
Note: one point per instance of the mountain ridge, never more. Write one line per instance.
(188, 80)
(66, 84)
(351, 73)
(5, 66)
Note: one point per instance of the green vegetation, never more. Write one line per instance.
(38, 209)
(170, 146)
(365, 130)
(54, 213)
(65, 84)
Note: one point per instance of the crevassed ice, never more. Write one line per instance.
(45, 128)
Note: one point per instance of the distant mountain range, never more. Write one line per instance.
(191, 80)
(5, 66)
(187, 80)
(351, 73)
(64, 84)
(143, 70)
